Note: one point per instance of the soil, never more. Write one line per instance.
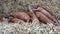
(52, 6)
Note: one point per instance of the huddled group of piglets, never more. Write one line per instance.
(38, 13)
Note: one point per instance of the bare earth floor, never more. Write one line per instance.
(52, 6)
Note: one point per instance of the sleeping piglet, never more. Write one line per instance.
(20, 15)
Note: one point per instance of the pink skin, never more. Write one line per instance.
(16, 19)
(31, 13)
(4, 19)
(21, 15)
(47, 14)
(42, 17)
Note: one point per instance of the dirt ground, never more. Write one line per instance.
(52, 6)
(6, 6)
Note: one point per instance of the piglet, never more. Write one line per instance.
(20, 15)
(16, 20)
(32, 14)
(43, 18)
(46, 13)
